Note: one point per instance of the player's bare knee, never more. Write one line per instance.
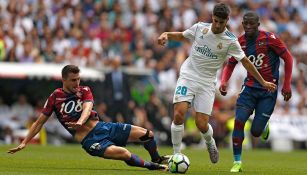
(202, 126)
(179, 117)
(149, 135)
(126, 155)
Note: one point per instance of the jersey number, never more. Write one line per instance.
(70, 106)
(181, 90)
(257, 61)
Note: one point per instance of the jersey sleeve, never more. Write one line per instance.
(87, 95)
(276, 44)
(235, 51)
(49, 105)
(191, 32)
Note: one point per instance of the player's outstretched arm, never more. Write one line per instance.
(286, 90)
(252, 70)
(35, 128)
(86, 111)
(165, 36)
(226, 74)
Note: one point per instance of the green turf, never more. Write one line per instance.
(72, 160)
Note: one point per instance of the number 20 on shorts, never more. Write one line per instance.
(181, 90)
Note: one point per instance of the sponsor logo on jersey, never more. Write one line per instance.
(220, 46)
(60, 98)
(205, 50)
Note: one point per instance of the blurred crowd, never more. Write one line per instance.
(104, 33)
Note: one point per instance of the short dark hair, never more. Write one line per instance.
(69, 69)
(251, 14)
(221, 10)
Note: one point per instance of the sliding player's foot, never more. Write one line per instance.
(155, 166)
(162, 160)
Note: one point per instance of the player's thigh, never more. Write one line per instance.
(266, 104)
(247, 98)
(120, 133)
(185, 91)
(98, 140)
(204, 98)
(138, 132)
(263, 112)
(117, 153)
(96, 147)
(183, 97)
(246, 103)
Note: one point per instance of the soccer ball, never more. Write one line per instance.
(178, 163)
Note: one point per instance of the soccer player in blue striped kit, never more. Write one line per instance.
(264, 50)
(73, 106)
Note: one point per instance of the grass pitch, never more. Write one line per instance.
(72, 160)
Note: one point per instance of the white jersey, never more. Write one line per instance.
(208, 53)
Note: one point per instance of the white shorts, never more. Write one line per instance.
(202, 95)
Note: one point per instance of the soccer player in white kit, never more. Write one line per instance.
(212, 44)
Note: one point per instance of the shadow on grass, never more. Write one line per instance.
(92, 169)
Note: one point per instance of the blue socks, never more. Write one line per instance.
(151, 147)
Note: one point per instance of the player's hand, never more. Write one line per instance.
(269, 86)
(287, 94)
(163, 39)
(73, 125)
(223, 89)
(18, 148)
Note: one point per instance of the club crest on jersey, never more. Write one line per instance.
(220, 46)
(205, 31)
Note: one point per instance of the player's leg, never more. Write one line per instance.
(120, 153)
(108, 139)
(263, 112)
(244, 108)
(183, 96)
(177, 127)
(203, 104)
(206, 130)
(139, 134)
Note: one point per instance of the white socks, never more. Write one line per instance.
(177, 133)
(208, 136)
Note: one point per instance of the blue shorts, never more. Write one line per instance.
(104, 135)
(260, 100)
